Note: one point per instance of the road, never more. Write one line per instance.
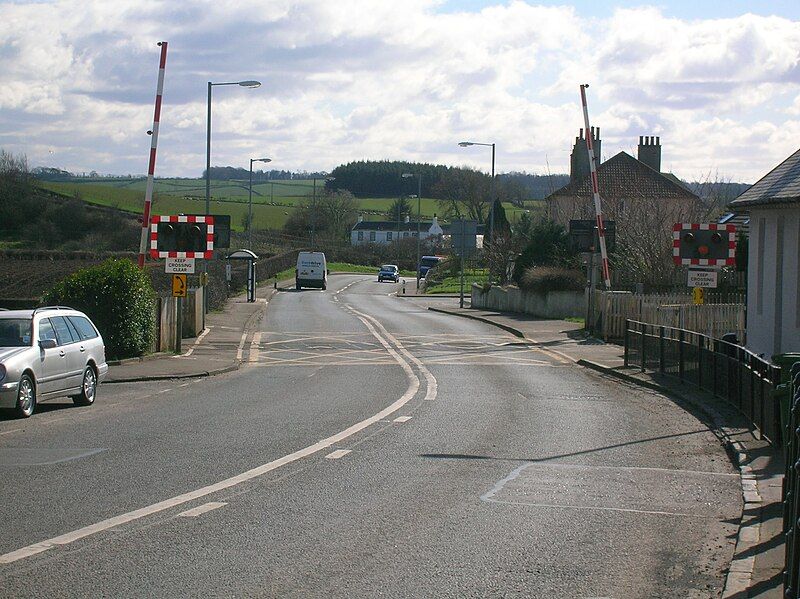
(369, 447)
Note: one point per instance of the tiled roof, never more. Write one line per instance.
(779, 186)
(622, 176)
(390, 225)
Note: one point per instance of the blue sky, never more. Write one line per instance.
(719, 82)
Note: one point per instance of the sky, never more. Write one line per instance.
(344, 80)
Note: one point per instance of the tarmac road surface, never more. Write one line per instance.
(369, 447)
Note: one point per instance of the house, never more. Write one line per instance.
(627, 185)
(773, 269)
(388, 231)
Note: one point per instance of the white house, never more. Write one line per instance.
(773, 270)
(387, 231)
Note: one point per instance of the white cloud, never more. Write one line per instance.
(351, 79)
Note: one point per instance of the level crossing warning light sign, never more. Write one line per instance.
(182, 236)
(708, 244)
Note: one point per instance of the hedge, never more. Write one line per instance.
(120, 300)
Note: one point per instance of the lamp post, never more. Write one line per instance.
(314, 206)
(250, 202)
(419, 214)
(208, 171)
(465, 144)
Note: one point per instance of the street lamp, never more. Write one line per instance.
(419, 213)
(314, 206)
(465, 144)
(208, 134)
(250, 202)
(208, 169)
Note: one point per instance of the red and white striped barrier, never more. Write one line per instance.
(677, 231)
(148, 195)
(601, 230)
(207, 220)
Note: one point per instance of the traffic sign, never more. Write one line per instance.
(699, 295)
(703, 278)
(179, 286)
(704, 244)
(179, 266)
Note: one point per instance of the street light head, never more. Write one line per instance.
(407, 175)
(250, 83)
(263, 159)
(465, 144)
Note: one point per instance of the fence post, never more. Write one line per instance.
(680, 355)
(626, 337)
(713, 368)
(700, 361)
(661, 349)
(643, 346)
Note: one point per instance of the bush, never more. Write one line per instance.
(118, 297)
(547, 278)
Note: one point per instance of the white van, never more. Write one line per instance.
(311, 271)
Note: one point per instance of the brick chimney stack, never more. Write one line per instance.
(650, 152)
(579, 159)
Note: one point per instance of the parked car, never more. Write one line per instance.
(389, 272)
(426, 263)
(46, 353)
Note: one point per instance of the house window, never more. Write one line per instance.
(372, 235)
(388, 235)
(414, 234)
(405, 233)
(361, 235)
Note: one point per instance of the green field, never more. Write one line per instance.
(272, 201)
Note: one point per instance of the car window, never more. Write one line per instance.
(85, 328)
(63, 333)
(46, 330)
(73, 331)
(15, 332)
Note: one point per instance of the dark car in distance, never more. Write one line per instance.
(389, 272)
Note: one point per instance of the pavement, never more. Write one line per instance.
(758, 562)
(757, 566)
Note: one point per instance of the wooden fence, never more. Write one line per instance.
(722, 314)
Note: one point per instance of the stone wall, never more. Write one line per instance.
(554, 304)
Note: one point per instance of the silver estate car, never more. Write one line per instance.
(46, 353)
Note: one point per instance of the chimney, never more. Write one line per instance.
(579, 159)
(650, 152)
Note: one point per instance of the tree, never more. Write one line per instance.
(548, 245)
(332, 215)
(399, 209)
(464, 193)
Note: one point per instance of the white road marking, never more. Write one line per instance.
(196, 343)
(240, 349)
(402, 419)
(13, 430)
(202, 509)
(109, 523)
(254, 347)
(433, 387)
(335, 455)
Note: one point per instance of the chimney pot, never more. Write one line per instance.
(580, 133)
(641, 140)
(658, 141)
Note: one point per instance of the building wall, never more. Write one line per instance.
(381, 236)
(773, 281)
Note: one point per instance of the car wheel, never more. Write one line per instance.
(88, 388)
(26, 397)
(324, 286)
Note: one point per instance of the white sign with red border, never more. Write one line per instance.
(678, 228)
(207, 220)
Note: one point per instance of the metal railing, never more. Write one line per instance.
(791, 492)
(727, 370)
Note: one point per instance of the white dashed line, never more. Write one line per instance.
(402, 419)
(335, 455)
(202, 509)
(196, 343)
(254, 347)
